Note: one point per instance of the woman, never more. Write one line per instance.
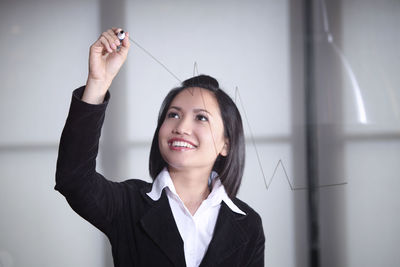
(189, 215)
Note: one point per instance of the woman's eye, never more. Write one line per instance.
(201, 118)
(173, 115)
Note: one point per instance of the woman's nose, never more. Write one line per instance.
(183, 126)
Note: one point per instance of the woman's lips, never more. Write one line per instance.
(180, 144)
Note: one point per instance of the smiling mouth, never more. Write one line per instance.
(180, 144)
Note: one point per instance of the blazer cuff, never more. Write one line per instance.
(77, 100)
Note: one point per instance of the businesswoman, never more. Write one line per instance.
(189, 215)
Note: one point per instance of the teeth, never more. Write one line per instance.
(181, 144)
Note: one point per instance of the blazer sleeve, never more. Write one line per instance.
(95, 198)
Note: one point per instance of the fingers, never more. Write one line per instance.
(106, 45)
(126, 42)
(116, 30)
(111, 38)
(109, 41)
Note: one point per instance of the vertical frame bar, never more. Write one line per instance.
(311, 134)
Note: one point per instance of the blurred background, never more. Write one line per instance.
(317, 84)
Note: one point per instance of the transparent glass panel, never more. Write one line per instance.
(357, 83)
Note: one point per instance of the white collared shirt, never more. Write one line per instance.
(197, 230)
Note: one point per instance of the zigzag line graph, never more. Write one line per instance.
(292, 187)
(267, 183)
(280, 162)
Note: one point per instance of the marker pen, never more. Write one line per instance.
(121, 37)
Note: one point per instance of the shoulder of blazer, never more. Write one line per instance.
(250, 212)
(251, 223)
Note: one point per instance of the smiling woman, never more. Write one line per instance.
(192, 134)
(214, 116)
(189, 215)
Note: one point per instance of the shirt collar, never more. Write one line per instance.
(217, 195)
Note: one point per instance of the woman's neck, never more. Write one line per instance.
(191, 186)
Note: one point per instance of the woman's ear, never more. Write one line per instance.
(225, 148)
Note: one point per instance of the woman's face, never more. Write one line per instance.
(192, 134)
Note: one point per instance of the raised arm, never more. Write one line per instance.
(88, 192)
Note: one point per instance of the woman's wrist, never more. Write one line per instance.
(95, 91)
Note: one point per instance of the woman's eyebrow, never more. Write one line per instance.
(175, 107)
(196, 110)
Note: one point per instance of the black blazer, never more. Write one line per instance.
(142, 232)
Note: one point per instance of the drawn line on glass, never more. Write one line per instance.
(292, 187)
(155, 59)
(238, 97)
(280, 162)
(195, 69)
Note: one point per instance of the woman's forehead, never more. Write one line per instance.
(196, 98)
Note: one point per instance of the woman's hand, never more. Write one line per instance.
(105, 60)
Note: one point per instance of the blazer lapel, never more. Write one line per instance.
(227, 239)
(160, 225)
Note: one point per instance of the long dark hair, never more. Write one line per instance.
(230, 168)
